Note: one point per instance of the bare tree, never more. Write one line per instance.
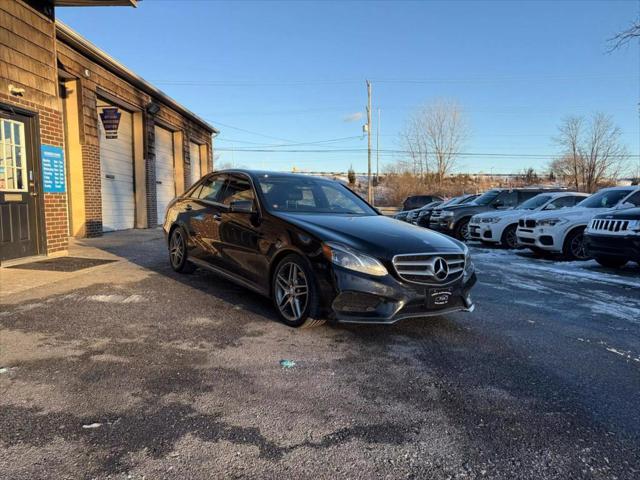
(591, 153)
(433, 137)
(604, 154)
(625, 36)
(569, 138)
(414, 142)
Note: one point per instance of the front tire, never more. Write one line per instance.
(509, 238)
(295, 294)
(574, 247)
(462, 230)
(178, 255)
(611, 262)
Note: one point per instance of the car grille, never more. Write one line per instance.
(603, 225)
(420, 267)
(436, 214)
(526, 223)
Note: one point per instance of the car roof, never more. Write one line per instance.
(262, 173)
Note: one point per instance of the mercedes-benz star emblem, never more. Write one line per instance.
(440, 268)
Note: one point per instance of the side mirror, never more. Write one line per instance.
(551, 206)
(498, 204)
(241, 206)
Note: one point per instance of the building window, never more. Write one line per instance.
(13, 172)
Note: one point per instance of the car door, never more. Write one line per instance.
(203, 212)
(240, 232)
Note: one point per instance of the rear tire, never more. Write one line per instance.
(295, 293)
(509, 238)
(574, 247)
(611, 262)
(178, 254)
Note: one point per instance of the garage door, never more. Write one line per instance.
(116, 170)
(194, 156)
(165, 180)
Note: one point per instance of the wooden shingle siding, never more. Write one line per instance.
(27, 53)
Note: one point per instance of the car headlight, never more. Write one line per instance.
(446, 213)
(634, 226)
(551, 222)
(490, 220)
(353, 260)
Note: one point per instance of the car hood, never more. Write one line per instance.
(575, 213)
(376, 235)
(504, 214)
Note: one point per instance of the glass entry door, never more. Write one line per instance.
(18, 191)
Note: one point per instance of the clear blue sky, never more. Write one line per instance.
(293, 71)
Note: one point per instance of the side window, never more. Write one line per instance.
(237, 188)
(635, 199)
(524, 196)
(210, 189)
(507, 199)
(562, 202)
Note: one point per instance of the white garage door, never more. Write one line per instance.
(116, 173)
(194, 156)
(165, 180)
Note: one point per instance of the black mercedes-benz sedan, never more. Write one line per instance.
(316, 248)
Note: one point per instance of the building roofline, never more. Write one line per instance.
(78, 42)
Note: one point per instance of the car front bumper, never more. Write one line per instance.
(624, 246)
(444, 225)
(539, 237)
(386, 300)
(483, 232)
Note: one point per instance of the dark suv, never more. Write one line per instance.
(613, 238)
(454, 220)
(418, 201)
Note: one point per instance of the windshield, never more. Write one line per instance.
(310, 195)
(534, 202)
(487, 197)
(452, 201)
(604, 199)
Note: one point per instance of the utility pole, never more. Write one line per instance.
(378, 149)
(369, 186)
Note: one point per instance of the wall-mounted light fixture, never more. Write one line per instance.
(16, 91)
(152, 108)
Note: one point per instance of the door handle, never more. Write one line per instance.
(188, 207)
(217, 217)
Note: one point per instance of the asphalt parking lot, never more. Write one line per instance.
(128, 370)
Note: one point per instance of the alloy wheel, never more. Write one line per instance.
(291, 291)
(464, 231)
(511, 238)
(176, 248)
(578, 249)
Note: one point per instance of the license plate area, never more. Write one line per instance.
(439, 297)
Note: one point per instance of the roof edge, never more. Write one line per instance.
(69, 36)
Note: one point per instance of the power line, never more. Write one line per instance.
(406, 152)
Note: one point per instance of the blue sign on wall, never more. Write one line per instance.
(53, 178)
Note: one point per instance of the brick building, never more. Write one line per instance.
(86, 145)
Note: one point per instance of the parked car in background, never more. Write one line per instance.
(418, 201)
(454, 220)
(500, 227)
(613, 238)
(424, 217)
(412, 216)
(563, 232)
(316, 249)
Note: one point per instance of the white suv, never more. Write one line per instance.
(500, 226)
(562, 232)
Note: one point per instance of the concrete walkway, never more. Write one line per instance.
(16, 281)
